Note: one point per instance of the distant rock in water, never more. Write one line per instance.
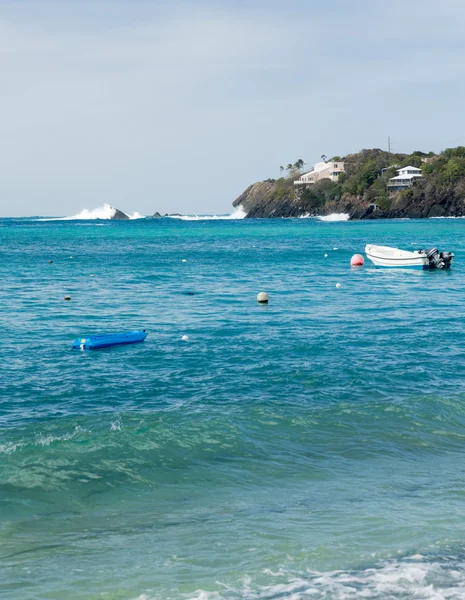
(156, 215)
(119, 216)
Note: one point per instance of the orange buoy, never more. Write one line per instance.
(357, 260)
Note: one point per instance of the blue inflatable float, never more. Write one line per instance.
(105, 340)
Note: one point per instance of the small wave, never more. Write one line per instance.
(40, 439)
(409, 578)
(10, 447)
(328, 218)
(335, 217)
(238, 214)
(447, 217)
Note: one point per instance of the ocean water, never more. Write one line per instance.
(310, 448)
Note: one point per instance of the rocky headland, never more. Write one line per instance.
(362, 191)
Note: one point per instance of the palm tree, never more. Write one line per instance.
(324, 158)
(281, 168)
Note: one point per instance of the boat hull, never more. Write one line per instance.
(382, 256)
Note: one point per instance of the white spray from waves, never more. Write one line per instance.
(105, 212)
(238, 214)
(328, 218)
(335, 217)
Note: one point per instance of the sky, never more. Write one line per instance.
(179, 105)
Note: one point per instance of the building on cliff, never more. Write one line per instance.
(322, 170)
(406, 178)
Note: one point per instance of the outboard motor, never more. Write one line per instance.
(435, 260)
(447, 259)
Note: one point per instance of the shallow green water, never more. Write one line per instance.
(311, 448)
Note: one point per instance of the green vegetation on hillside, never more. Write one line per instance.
(368, 171)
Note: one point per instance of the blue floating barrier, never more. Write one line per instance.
(105, 340)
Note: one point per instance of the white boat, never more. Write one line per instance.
(384, 256)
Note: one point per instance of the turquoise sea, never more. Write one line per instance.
(310, 448)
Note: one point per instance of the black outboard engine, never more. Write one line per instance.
(435, 260)
(447, 259)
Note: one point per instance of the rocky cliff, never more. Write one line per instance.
(275, 198)
(266, 200)
(269, 199)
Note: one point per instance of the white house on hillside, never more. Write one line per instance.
(407, 176)
(322, 170)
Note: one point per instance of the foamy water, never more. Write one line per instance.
(238, 214)
(329, 218)
(411, 577)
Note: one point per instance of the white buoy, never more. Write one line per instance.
(185, 338)
(184, 260)
(335, 248)
(262, 298)
(326, 256)
(71, 257)
(91, 275)
(338, 285)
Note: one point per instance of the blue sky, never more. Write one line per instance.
(177, 106)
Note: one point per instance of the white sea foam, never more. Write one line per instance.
(104, 212)
(116, 425)
(328, 218)
(40, 440)
(413, 577)
(447, 217)
(335, 217)
(238, 214)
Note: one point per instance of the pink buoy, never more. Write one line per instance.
(357, 260)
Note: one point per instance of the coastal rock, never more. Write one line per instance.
(272, 198)
(275, 198)
(119, 216)
(156, 215)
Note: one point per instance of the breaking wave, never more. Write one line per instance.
(412, 577)
(105, 212)
(335, 217)
(328, 218)
(238, 214)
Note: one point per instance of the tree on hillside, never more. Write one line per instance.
(324, 158)
(454, 169)
(454, 152)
